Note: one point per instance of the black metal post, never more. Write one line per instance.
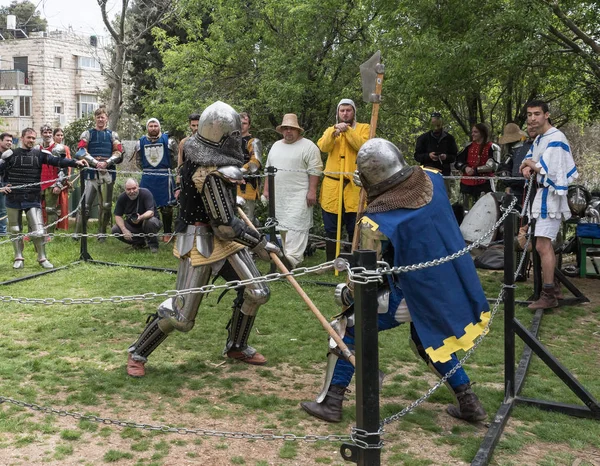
(509, 301)
(367, 368)
(83, 255)
(271, 185)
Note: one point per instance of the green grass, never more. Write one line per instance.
(72, 357)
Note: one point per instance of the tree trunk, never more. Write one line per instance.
(116, 91)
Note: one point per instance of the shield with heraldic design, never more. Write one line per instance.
(154, 154)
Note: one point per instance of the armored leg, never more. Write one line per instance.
(166, 213)
(14, 228)
(469, 407)
(173, 314)
(90, 190)
(244, 313)
(37, 231)
(52, 209)
(105, 204)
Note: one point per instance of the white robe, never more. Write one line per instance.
(291, 188)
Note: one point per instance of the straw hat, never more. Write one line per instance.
(512, 133)
(290, 120)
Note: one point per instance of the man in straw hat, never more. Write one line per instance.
(155, 155)
(341, 142)
(298, 161)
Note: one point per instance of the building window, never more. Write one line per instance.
(57, 62)
(88, 63)
(86, 104)
(58, 108)
(25, 106)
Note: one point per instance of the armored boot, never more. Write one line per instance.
(156, 331)
(547, 299)
(38, 235)
(237, 342)
(469, 407)
(330, 409)
(18, 246)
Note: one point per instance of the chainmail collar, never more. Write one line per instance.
(414, 192)
(204, 155)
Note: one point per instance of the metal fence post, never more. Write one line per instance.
(509, 300)
(367, 369)
(83, 255)
(273, 230)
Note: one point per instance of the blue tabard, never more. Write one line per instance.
(446, 302)
(99, 145)
(162, 187)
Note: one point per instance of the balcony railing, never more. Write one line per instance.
(13, 79)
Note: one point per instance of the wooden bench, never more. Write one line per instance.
(584, 244)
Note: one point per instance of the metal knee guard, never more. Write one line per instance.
(14, 229)
(255, 294)
(153, 335)
(38, 234)
(180, 312)
(90, 196)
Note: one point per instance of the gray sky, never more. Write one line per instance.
(82, 15)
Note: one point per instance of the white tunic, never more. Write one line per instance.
(552, 154)
(291, 187)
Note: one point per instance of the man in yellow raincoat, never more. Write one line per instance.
(339, 194)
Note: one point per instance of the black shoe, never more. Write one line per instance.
(469, 407)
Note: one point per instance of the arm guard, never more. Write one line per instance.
(220, 206)
(117, 154)
(83, 154)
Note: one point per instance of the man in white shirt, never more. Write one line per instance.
(299, 164)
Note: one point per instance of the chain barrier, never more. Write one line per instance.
(176, 430)
(231, 285)
(356, 274)
(364, 276)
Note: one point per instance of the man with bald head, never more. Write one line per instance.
(135, 212)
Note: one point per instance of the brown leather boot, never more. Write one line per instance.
(248, 355)
(469, 407)
(135, 368)
(558, 294)
(547, 300)
(330, 409)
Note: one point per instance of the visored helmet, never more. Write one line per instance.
(578, 198)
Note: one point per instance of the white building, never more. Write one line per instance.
(49, 77)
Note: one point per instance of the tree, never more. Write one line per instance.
(123, 41)
(28, 19)
(269, 58)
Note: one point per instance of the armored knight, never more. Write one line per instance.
(102, 150)
(210, 239)
(22, 170)
(409, 213)
(155, 155)
(252, 149)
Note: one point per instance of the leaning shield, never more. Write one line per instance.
(480, 219)
(154, 154)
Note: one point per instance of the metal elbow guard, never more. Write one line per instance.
(489, 167)
(83, 154)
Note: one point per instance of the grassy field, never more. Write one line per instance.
(73, 358)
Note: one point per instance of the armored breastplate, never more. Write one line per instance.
(25, 168)
(100, 144)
